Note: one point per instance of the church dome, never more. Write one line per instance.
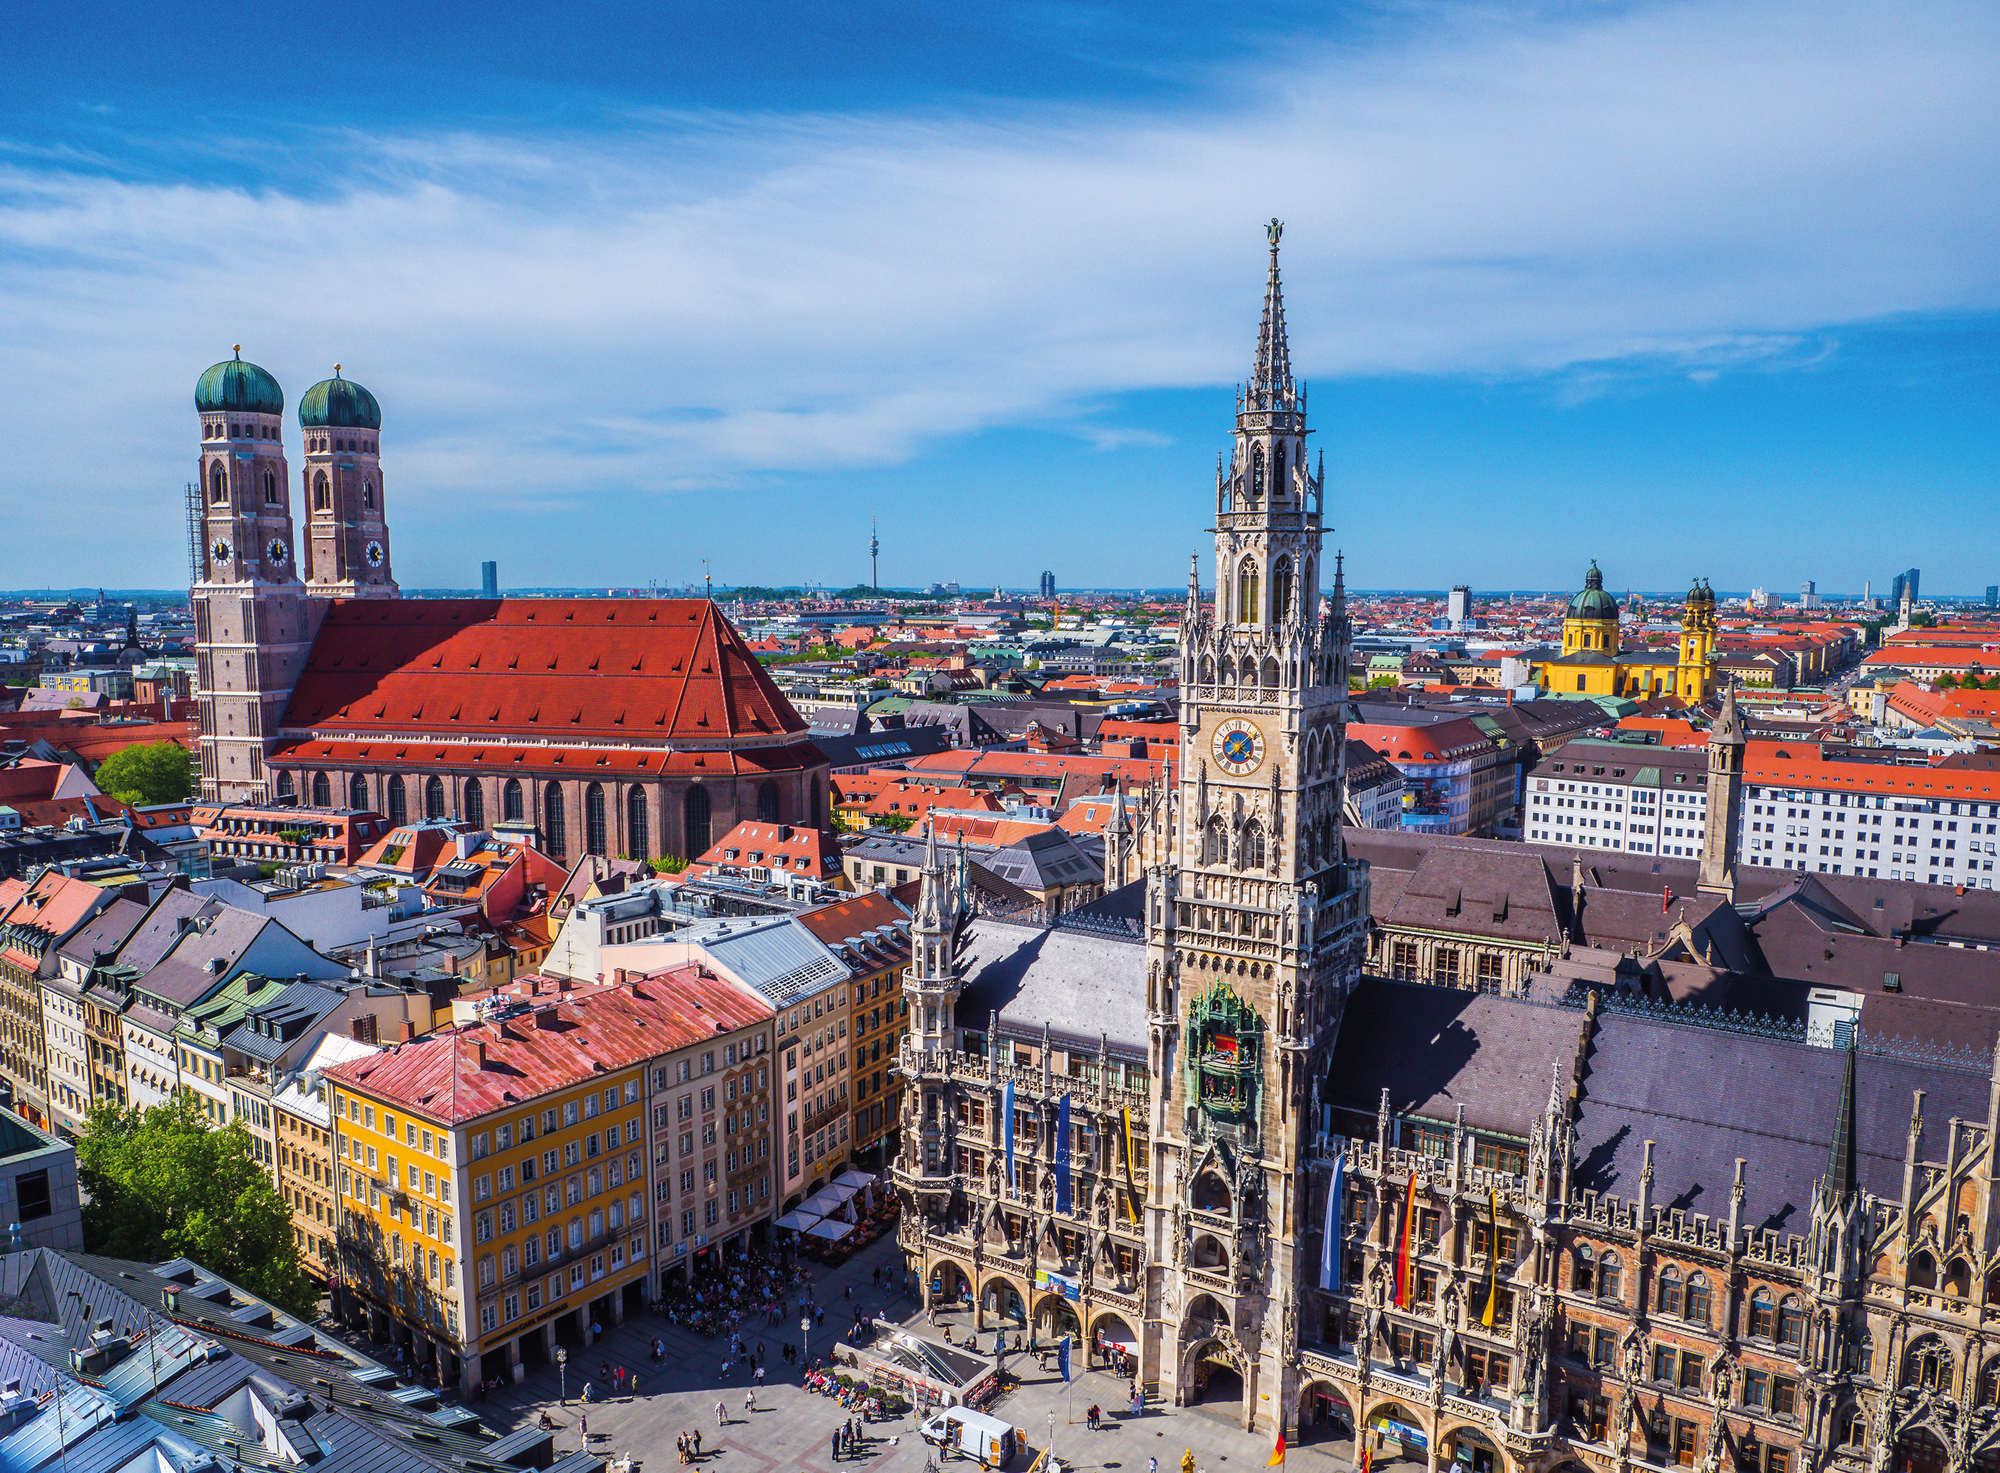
(1593, 602)
(235, 387)
(339, 404)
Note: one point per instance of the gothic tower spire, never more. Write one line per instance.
(1271, 376)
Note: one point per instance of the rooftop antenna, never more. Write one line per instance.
(874, 554)
(707, 582)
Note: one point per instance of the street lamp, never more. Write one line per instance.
(1050, 1447)
(562, 1371)
(805, 1337)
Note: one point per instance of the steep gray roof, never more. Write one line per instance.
(1080, 982)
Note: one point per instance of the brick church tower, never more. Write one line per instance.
(347, 542)
(253, 622)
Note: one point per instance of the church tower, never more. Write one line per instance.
(932, 983)
(1698, 631)
(1256, 918)
(1727, 748)
(347, 544)
(252, 623)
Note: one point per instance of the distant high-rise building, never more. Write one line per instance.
(1809, 594)
(489, 580)
(1915, 593)
(1048, 585)
(1993, 595)
(1896, 587)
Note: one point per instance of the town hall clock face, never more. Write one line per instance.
(373, 552)
(1239, 747)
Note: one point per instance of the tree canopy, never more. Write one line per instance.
(164, 1183)
(152, 772)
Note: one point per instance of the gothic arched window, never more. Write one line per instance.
(399, 803)
(594, 838)
(554, 841)
(1583, 1272)
(367, 495)
(1281, 590)
(1697, 1300)
(1250, 854)
(1763, 1315)
(1791, 1323)
(218, 483)
(1609, 1276)
(322, 494)
(285, 788)
(357, 791)
(434, 797)
(1278, 471)
(767, 802)
(1668, 1297)
(270, 489)
(475, 804)
(816, 819)
(638, 832)
(510, 801)
(694, 826)
(1928, 1363)
(1256, 472)
(322, 791)
(1270, 670)
(1215, 842)
(1249, 606)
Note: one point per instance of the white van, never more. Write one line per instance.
(987, 1440)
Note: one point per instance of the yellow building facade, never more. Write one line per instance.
(1594, 662)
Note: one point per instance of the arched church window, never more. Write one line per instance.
(554, 841)
(594, 837)
(767, 802)
(367, 495)
(816, 819)
(357, 791)
(218, 484)
(475, 804)
(399, 802)
(1215, 842)
(1249, 606)
(270, 489)
(322, 493)
(434, 797)
(694, 826)
(1250, 855)
(1278, 471)
(1270, 670)
(1281, 589)
(1256, 472)
(322, 791)
(285, 788)
(638, 832)
(510, 801)
(1208, 670)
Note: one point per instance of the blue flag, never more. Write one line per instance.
(1062, 1357)
(1007, 1126)
(1062, 1155)
(1329, 1248)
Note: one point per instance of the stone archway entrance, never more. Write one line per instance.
(948, 1286)
(1396, 1438)
(1114, 1344)
(1054, 1318)
(1468, 1450)
(1325, 1414)
(1214, 1380)
(1003, 1298)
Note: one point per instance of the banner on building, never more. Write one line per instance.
(1062, 1155)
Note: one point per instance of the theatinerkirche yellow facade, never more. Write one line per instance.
(1593, 664)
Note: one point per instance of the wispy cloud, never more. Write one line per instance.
(690, 302)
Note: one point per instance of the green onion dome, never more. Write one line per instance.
(1593, 602)
(339, 404)
(235, 387)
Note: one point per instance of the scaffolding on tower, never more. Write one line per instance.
(195, 538)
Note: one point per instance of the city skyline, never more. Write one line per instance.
(1020, 279)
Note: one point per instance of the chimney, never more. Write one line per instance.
(618, 976)
(408, 1031)
(479, 1052)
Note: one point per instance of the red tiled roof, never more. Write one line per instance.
(779, 846)
(582, 763)
(1800, 765)
(611, 669)
(563, 1043)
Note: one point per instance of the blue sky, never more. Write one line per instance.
(1690, 288)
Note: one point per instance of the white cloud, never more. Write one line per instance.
(696, 302)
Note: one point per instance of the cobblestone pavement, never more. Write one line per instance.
(791, 1429)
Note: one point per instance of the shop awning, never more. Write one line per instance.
(831, 1229)
(797, 1220)
(826, 1201)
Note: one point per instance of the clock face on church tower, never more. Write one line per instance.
(1239, 747)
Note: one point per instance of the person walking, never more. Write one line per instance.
(721, 1415)
(760, 1375)
(583, 1430)
(836, 1444)
(749, 1404)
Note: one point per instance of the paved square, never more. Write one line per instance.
(793, 1428)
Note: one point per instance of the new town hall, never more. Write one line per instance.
(1561, 1223)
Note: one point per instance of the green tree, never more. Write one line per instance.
(163, 1183)
(895, 823)
(152, 772)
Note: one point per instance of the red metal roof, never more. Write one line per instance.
(461, 1074)
(559, 668)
